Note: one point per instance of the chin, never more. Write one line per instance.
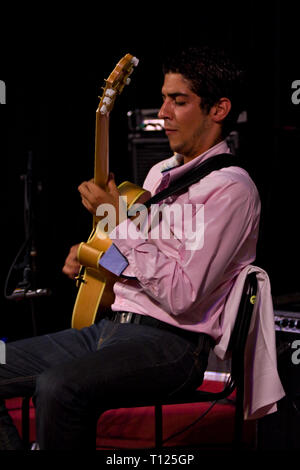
(176, 148)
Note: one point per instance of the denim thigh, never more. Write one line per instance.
(27, 358)
(127, 356)
(130, 361)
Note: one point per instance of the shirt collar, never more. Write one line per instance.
(177, 159)
(174, 167)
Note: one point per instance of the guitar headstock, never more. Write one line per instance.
(115, 83)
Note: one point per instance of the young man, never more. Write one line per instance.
(172, 285)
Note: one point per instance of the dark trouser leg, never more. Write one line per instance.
(132, 360)
(77, 374)
(26, 360)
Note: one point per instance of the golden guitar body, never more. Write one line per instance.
(95, 294)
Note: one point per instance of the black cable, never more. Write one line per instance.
(227, 383)
(26, 241)
(7, 296)
(191, 424)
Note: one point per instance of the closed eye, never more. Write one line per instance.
(177, 98)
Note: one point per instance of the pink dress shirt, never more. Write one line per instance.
(163, 277)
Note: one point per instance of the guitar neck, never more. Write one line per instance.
(101, 162)
(101, 168)
(113, 86)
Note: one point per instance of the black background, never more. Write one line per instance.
(53, 64)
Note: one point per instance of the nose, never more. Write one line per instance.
(164, 111)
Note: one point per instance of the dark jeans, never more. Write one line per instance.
(76, 375)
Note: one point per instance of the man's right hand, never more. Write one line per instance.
(72, 266)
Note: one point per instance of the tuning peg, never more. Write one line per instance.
(128, 80)
(107, 100)
(110, 92)
(103, 109)
(135, 61)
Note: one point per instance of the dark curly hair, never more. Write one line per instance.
(212, 75)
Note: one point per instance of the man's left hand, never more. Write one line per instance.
(92, 195)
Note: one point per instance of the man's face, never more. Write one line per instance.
(186, 124)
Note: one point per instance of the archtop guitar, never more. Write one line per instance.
(95, 294)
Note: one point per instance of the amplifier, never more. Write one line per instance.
(147, 142)
(287, 321)
(281, 430)
(145, 152)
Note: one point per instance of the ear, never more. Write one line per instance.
(220, 110)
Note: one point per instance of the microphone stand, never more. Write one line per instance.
(26, 288)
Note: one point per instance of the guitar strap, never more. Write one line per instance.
(217, 162)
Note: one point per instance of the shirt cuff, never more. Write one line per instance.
(113, 261)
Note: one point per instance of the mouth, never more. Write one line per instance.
(169, 131)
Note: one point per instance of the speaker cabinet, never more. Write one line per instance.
(145, 152)
(281, 430)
